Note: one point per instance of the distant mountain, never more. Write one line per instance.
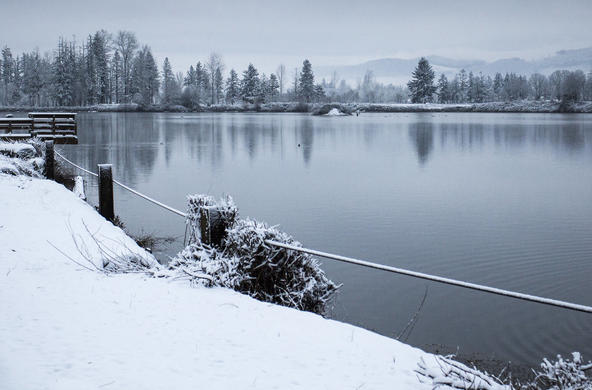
(398, 71)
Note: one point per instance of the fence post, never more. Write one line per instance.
(211, 225)
(204, 226)
(106, 192)
(49, 160)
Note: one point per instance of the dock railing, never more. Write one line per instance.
(60, 127)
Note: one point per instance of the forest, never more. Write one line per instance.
(115, 68)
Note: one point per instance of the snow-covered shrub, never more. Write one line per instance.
(273, 274)
(207, 266)
(443, 372)
(562, 374)
(244, 262)
(21, 158)
(226, 210)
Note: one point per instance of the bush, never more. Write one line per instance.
(245, 263)
(562, 374)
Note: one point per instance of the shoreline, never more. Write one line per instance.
(74, 327)
(540, 107)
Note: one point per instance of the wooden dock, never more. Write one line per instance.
(57, 126)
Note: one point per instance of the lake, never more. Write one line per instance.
(503, 200)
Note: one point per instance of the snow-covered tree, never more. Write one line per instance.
(232, 87)
(168, 81)
(443, 90)
(250, 83)
(273, 87)
(306, 91)
(127, 44)
(421, 85)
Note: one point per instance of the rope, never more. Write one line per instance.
(364, 263)
(77, 166)
(149, 199)
(439, 279)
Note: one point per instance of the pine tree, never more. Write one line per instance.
(421, 85)
(306, 91)
(319, 93)
(168, 80)
(64, 74)
(274, 87)
(498, 86)
(263, 89)
(232, 87)
(443, 89)
(250, 84)
(219, 85)
(118, 77)
(201, 81)
(471, 88)
(463, 86)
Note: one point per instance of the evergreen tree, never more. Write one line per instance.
(319, 93)
(443, 90)
(151, 77)
(498, 86)
(250, 84)
(7, 66)
(232, 87)
(263, 89)
(201, 80)
(274, 87)
(421, 85)
(306, 91)
(463, 86)
(219, 85)
(118, 77)
(471, 88)
(64, 74)
(168, 80)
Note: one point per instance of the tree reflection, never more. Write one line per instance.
(422, 136)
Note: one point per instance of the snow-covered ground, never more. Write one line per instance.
(65, 326)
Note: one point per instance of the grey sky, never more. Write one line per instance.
(327, 32)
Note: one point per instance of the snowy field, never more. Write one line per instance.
(66, 326)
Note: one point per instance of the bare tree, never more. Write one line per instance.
(215, 66)
(127, 43)
(280, 73)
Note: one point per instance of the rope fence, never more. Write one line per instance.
(364, 263)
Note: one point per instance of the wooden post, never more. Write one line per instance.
(49, 160)
(212, 226)
(106, 192)
(204, 225)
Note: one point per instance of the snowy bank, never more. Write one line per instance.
(65, 326)
(525, 106)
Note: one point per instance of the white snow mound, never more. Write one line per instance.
(64, 326)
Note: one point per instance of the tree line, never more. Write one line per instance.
(561, 85)
(114, 68)
(107, 69)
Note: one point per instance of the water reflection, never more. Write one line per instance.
(305, 138)
(422, 136)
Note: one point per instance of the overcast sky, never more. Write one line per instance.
(327, 32)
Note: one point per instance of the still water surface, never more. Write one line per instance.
(499, 199)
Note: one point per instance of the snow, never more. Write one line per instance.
(334, 112)
(65, 326)
(78, 189)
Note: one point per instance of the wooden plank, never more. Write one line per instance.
(16, 120)
(52, 115)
